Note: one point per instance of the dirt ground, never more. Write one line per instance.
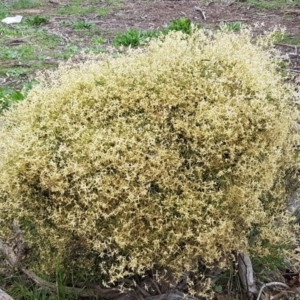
(146, 14)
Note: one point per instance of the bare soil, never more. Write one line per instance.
(146, 14)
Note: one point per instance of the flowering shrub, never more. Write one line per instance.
(158, 158)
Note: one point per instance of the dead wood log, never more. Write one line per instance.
(246, 274)
(4, 296)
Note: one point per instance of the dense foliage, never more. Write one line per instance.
(157, 159)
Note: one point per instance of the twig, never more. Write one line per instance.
(202, 12)
(183, 281)
(285, 45)
(143, 291)
(270, 284)
(156, 286)
(234, 20)
(292, 11)
(293, 70)
(59, 35)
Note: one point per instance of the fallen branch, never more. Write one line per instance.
(202, 12)
(82, 292)
(232, 20)
(9, 255)
(60, 35)
(285, 45)
(291, 11)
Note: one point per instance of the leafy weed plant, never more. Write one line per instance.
(279, 36)
(98, 40)
(36, 20)
(8, 97)
(134, 37)
(229, 26)
(183, 24)
(82, 25)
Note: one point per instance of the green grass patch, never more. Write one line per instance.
(103, 11)
(134, 38)
(279, 36)
(183, 24)
(231, 26)
(12, 31)
(69, 50)
(292, 40)
(76, 8)
(24, 4)
(4, 10)
(113, 1)
(82, 25)
(35, 42)
(98, 40)
(8, 97)
(271, 4)
(23, 51)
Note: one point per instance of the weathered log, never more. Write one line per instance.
(9, 254)
(4, 296)
(246, 274)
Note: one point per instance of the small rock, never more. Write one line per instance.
(11, 20)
